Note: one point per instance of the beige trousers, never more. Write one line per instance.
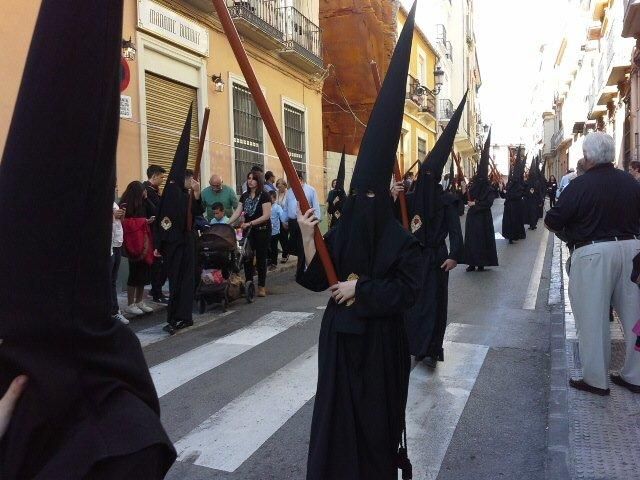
(600, 277)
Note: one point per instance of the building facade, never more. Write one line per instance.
(183, 58)
(419, 126)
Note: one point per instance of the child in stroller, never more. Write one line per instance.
(219, 261)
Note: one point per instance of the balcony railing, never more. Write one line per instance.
(258, 19)
(446, 109)
(423, 98)
(302, 36)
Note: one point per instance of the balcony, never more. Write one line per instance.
(446, 110)
(259, 20)
(631, 27)
(419, 99)
(302, 40)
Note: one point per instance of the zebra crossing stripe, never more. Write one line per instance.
(169, 375)
(230, 436)
(435, 404)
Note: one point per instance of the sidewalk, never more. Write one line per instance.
(158, 307)
(589, 437)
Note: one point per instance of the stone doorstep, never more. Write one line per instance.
(122, 296)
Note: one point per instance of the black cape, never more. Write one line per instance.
(513, 217)
(426, 321)
(334, 205)
(479, 234)
(363, 374)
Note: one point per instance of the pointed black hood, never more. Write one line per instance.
(89, 395)
(426, 199)
(377, 154)
(367, 211)
(437, 158)
(480, 186)
(171, 221)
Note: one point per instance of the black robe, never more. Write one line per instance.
(363, 373)
(513, 218)
(178, 249)
(479, 234)
(532, 205)
(334, 206)
(427, 320)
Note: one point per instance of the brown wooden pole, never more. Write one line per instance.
(404, 213)
(270, 124)
(196, 169)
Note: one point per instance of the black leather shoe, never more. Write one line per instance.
(471, 268)
(580, 384)
(431, 362)
(161, 299)
(184, 324)
(618, 380)
(481, 269)
(169, 329)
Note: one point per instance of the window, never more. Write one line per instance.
(422, 149)
(422, 70)
(248, 140)
(294, 137)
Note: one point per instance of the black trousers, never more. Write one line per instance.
(552, 200)
(115, 268)
(284, 241)
(273, 249)
(180, 264)
(158, 277)
(259, 240)
(295, 238)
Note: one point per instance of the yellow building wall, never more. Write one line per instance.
(277, 78)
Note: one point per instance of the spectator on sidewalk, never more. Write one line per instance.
(218, 214)
(552, 189)
(155, 178)
(218, 192)
(564, 181)
(634, 169)
(256, 206)
(281, 199)
(117, 237)
(278, 223)
(269, 181)
(135, 199)
(254, 169)
(598, 215)
(295, 240)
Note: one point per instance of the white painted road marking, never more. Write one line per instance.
(155, 334)
(169, 375)
(536, 273)
(229, 437)
(435, 404)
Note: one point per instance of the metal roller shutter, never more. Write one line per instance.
(167, 104)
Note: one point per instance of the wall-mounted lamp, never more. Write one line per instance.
(438, 74)
(218, 82)
(128, 49)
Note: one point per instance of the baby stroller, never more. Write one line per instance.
(219, 262)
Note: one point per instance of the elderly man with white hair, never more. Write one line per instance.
(598, 215)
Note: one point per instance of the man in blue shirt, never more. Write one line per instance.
(295, 239)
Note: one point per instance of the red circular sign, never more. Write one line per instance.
(125, 75)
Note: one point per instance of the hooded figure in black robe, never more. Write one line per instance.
(364, 363)
(174, 240)
(336, 196)
(513, 217)
(479, 235)
(433, 217)
(533, 196)
(90, 409)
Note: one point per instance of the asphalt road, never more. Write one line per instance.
(237, 389)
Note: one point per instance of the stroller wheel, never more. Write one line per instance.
(250, 291)
(202, 306)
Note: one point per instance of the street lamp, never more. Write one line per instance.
(218, 82)
(128, 49)
(439, 78)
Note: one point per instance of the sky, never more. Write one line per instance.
(509, 34)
